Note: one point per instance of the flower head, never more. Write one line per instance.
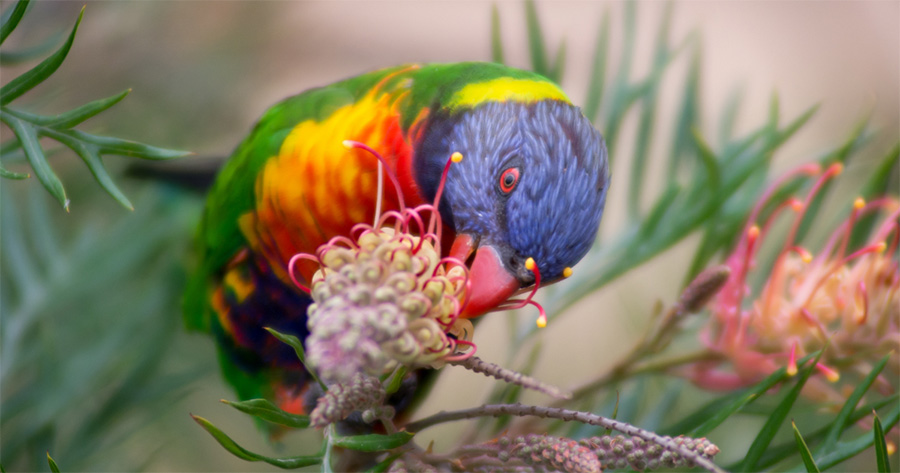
(843, 298)
(386, 297)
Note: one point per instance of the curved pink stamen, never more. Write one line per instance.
(292, 262)
(387, 167)
(440, 191)
(810, 169)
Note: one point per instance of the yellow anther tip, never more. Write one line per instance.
(880, 247)
(542, 321)
(836, 168)
(791, 370)
(833, 377)
(797, 205)
(529, 264)
(456, 157)
(347, 144)
(859, 203)
(567, 272)
(753, 232)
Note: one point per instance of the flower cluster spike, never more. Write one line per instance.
(552, 453)
(847, 299)
(620, 452)
(385, 296)
(360, 393)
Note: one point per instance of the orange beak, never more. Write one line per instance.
(491, 283)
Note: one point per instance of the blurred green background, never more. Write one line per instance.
(94, 364)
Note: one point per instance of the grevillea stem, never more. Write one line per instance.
(520, 410)
(512, 377)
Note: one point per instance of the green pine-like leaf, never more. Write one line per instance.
(36, 158)
(846, 450)
(536, 44)
(770, 428)
(6, 173)
(597, 79)
(11, 18)
(372, 442)
(882, 459)
(76, 116)
(496, 39)
(804, 451)
(10, 58)
(244, 454)
(297, 345)
(28, 80)
(777, 453)
(842, 421)
(267, 411)
(53, 466)
(746, 397)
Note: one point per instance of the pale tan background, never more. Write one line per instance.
(202, 72)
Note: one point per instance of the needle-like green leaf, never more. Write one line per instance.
(92, 160)
(297, 345)
(244, 454)
(770, 428)
(846, 450)
(598, 71)
(882, 459)
(745, 398)
(13, 175)
(53, 466)
(496, 39)
(842, 421)
(11, 18)
(804, 451)
(267, 411)
(373, 442)
(27, 81)
(536, 40)
(26, 135)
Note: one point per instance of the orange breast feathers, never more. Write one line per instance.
(316, 188)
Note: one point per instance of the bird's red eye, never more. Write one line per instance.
(508, 180)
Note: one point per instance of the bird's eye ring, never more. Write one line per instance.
(509, 179)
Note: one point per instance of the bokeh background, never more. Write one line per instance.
(95, 365)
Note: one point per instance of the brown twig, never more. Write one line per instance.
(510, 376)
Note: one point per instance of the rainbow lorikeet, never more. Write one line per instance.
(533, 184)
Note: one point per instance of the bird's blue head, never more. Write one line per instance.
(532, 184)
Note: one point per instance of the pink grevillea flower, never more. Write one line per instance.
(842, 299)
(384, 296)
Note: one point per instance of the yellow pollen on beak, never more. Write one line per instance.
(456, 157)
(567, 272)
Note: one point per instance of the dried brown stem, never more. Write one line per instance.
(510, 376)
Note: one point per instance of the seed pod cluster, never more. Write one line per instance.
(620, 452)
(362, 392)
(549, 452)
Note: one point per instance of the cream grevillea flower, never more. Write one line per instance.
(386, 297)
